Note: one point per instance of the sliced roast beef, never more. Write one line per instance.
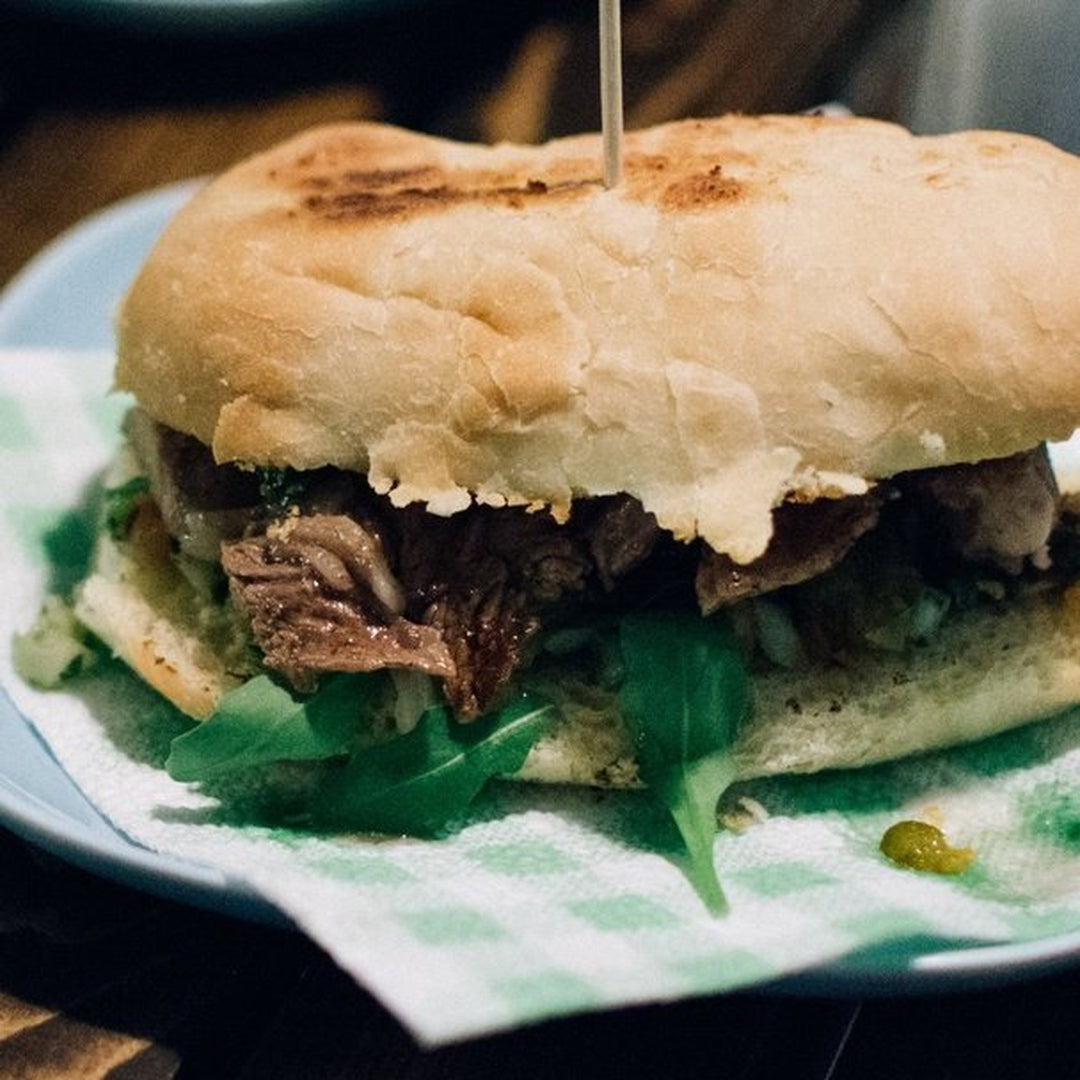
(808, 539)
(999, 513)
(201, 502)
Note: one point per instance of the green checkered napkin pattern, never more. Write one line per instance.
(548, 902)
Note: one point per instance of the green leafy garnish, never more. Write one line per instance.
(414, 784)
(262, 722)
(54, 648)
(683, 697)
(120, 504)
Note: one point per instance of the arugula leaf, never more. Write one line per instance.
(121, 503)
(413, 783)
(261, 722)
(683, 697)
(416, 783)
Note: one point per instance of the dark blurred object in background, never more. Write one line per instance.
(415, 52)
(683, 58)
(436, 62)
(98, 107)
(943, 65)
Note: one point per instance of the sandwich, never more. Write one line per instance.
(736, 469)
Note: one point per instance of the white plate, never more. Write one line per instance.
(64, 298)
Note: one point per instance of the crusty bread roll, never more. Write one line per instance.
(766, 308)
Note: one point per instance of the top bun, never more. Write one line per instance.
(765, 308)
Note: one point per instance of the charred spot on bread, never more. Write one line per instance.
(702, 189)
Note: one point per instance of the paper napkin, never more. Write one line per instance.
(547, 902)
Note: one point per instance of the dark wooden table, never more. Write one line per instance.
(99, 980)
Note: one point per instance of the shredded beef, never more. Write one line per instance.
(999, 513)
(320, 598)
(465, 599)
(621, 535)
(485, 579)
(489, 579)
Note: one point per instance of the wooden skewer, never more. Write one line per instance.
(611, 90)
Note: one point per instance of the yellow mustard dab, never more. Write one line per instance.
(918, 845)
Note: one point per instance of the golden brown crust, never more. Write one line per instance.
(766, 308)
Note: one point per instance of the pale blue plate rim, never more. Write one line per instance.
(87, 268)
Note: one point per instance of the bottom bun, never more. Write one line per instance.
(161, 621)
(988, 670)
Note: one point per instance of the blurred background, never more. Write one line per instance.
(99, 98)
